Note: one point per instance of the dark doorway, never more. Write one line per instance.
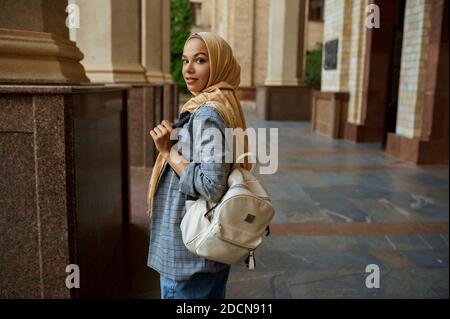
(393, 82)
(380, 105)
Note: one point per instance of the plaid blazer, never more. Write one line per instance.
(167, 253)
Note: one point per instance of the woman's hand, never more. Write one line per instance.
(161, 137)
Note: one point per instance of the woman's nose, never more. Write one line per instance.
(189, 67)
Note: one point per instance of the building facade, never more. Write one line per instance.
(388, 84)
(384, 85)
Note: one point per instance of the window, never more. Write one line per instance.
(196, 14)
(315, 10)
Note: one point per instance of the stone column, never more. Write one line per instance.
(222, 17)
(64, 161)
(421, 134)
(155, 24)
(207, 14)
(338, 25)
(131, 45)
(286, 28)
(241, 37)
(284, 95)
(64, 189)
(157, 100)
(109, 35)
(35, 48)
(244, 24)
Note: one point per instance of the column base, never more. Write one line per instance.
(417, 151)
(39, 57)
(115, 72)
(329, 113)
(157, 77)
(283, 103)
(358, 133)
(246, 94)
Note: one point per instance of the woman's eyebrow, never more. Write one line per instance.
(196, 54)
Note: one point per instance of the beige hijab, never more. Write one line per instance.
(224, 79)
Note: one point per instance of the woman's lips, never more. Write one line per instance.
(190, 81)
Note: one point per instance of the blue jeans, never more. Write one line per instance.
(199, 286)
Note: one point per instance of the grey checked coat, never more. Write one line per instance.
(167, 253)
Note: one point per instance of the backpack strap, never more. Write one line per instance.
(248, 154)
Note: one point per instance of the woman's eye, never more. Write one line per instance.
(198, 61)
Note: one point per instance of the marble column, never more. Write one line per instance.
(131, 46)
(158, 98)
(286, 30)
(64, 161)
(35, 48)
(64, 189)
(155, 40)
(242, 38)
(284, 95)
(109, 35)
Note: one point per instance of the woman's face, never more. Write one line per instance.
(195, 65)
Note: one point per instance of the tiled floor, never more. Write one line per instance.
(340, 207)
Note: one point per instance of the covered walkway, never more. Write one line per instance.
(340, 207)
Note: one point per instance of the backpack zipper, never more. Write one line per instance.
(251, 261)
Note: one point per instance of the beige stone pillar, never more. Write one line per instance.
(416, 37)
(35, 45)
(284, 96)
(213, 8)
(109, 36)
(241, 37)
(222, 17)
(261, 38)
(338, 25)
(206, 14)
(155, 24)
(421, 134)
(245, 25)
(286, 31)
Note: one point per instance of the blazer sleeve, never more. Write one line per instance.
(207, 175)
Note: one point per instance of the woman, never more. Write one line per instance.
(212, 75)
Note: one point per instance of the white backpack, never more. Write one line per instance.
(229, 231)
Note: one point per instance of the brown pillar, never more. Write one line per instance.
(64, 160)
(432, 145)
